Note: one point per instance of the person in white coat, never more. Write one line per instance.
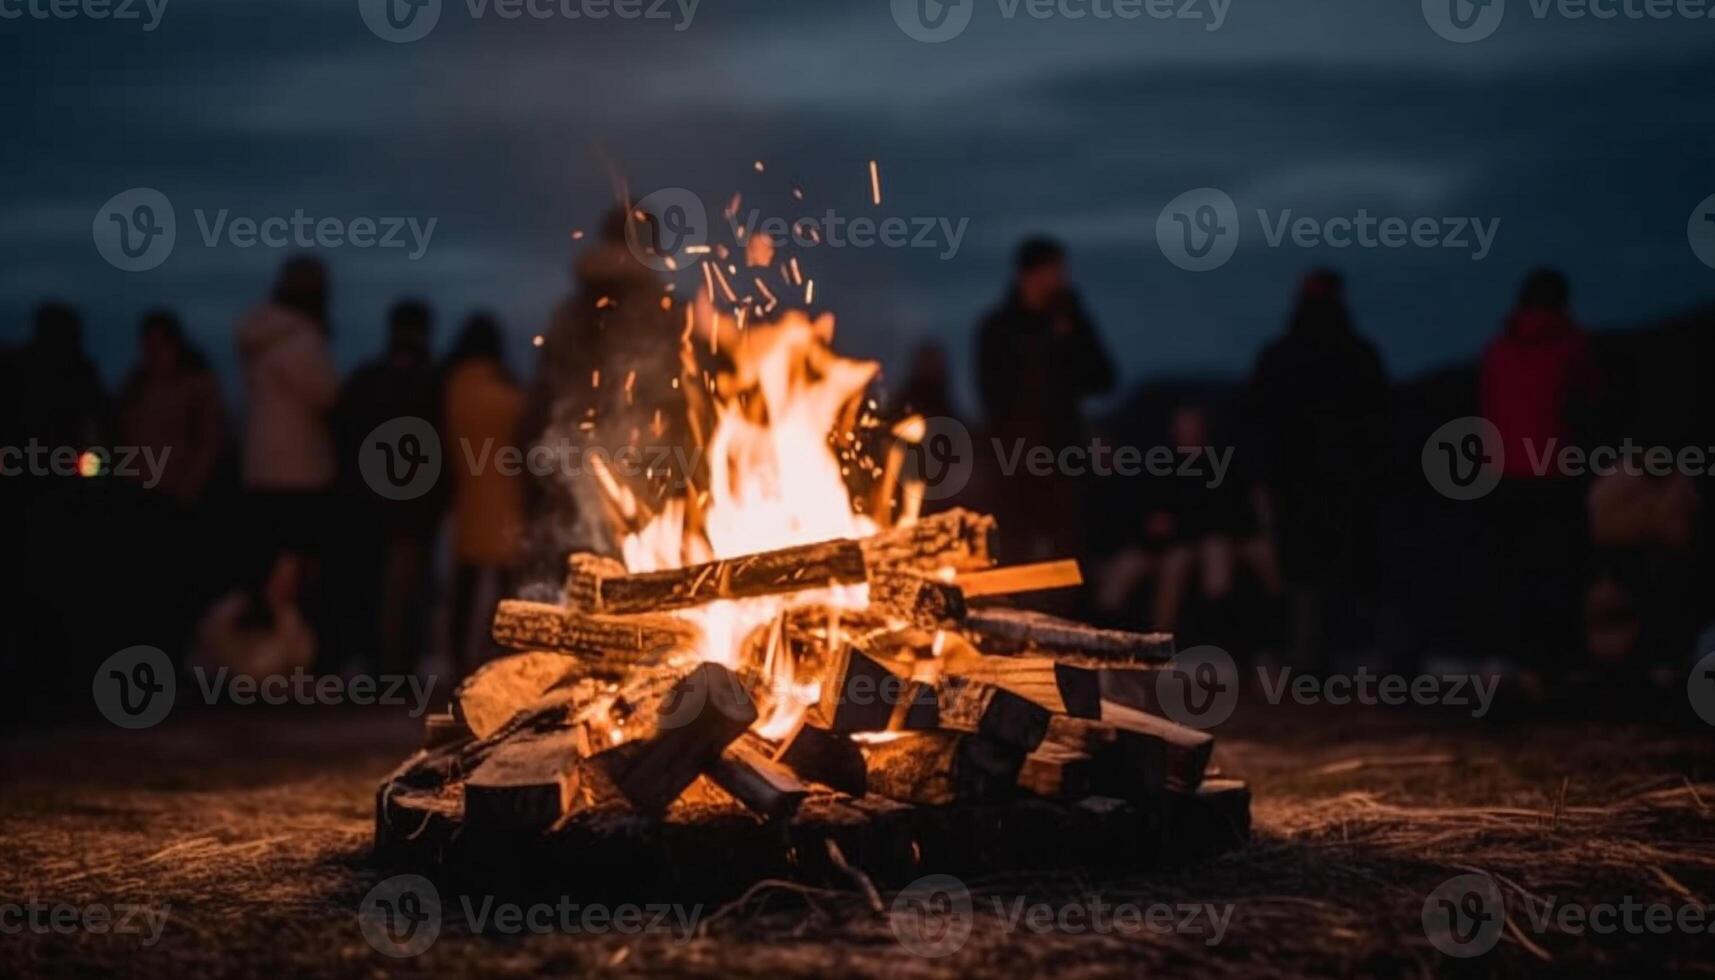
(289, 466)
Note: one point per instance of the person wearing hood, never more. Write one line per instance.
(288, 467)
(1538, 385)
(1317, 420)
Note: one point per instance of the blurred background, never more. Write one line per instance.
(1581, 143)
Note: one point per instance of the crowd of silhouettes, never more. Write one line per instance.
(259, 546)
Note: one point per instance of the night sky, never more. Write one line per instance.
(1591, 141)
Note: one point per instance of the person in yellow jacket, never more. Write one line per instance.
(482, 407)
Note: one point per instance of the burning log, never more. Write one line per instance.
(525, 783)
(1058, 772)
(618, 640)
(1061, 687)
(959, 704)
(766, 787)
(922, 600)
(1021, 578)
(815, 566)
(860, 693)
(1027, 628)
(822, 756)
(957, 539)
(442, 729)
(499, 688)
(936, 768)
(707, 711)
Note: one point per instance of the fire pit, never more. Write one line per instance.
(772, 683)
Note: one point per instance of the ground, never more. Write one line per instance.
(251, 828)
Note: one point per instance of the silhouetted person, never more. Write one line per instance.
(171, 404)
(1539, 381)
(288, 466)
(1317, 416)
(1039, 357)
(928, 388)
(607, 377)
(482, 405)
(170, 408)
(389, 541)
(55, 395)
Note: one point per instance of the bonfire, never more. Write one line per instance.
(771, 674)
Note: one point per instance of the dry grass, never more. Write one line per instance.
(253, 830)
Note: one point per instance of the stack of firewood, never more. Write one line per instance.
(932, 705)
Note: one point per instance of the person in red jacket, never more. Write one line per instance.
(1539, 380)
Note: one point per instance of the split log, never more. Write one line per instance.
(763, 785)
(499, 688)
(959, 539)
(959, 704)
(706, 712)
(1061, 687)
(442, 729)
(1058, 773)
(860, 693)
(1127, 765)
(1214, 819)
(614, 641)
(1187, 750)
(917, 598)
(524, 784)
(585, 572)
(1013, 579)
(825, 757)
(1028, 628)
(783, 571)
(943, 767)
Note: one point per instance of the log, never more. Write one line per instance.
(763, 785)
(959, 539)
(1061, 687)
(1126, 765)
(824, 757)
(1021, 578)
(584, 574)
(917, 598)
(442, 729)
(1027, 628)
(1057, 772)
(780, 572)
(1187, 750)
(860, 693)
(526, 784)
(1213, 819)
(615, 642)
(936, 768)
(707, 711)
(500, 688)
(959, 704)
